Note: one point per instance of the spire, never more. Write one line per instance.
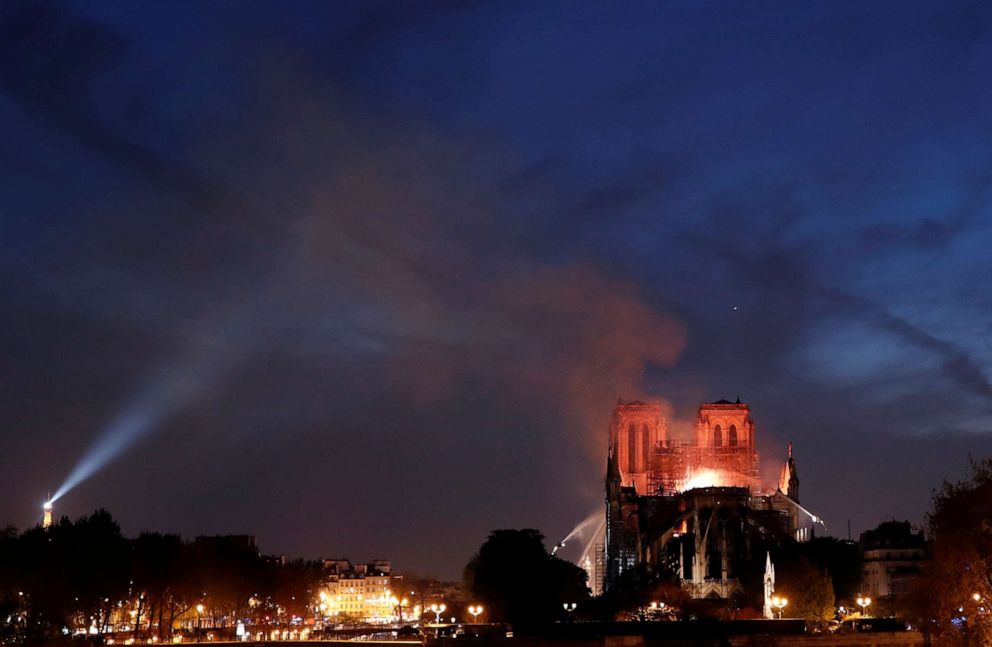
(788, 480)
(612, 468)
(769, 586)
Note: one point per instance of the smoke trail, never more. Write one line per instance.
(168, 391)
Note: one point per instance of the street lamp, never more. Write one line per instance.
(398, 605)
(779, 603)
(475, 610)
(438, 609)
(863, 603)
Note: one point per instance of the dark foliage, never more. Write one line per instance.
(952, 600)
(841, 560)
(808, 589)
(518, 581)
(85, 573)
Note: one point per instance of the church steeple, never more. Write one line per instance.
(788, 481)
(769, 586)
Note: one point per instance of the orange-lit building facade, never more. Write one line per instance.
(696, 508)
(722, 453)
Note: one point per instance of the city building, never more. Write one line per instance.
(696, 508)
(362, 592)
(891, 558)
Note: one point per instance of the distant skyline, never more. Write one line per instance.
(366, 279)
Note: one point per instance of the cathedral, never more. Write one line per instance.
(696, 509)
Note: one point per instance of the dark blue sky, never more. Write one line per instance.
(401, 259)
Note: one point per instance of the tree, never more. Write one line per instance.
(841, 559)
(154, 572)
(951, 601)
(518, 581)
(85, 574)
(808, 589)
(294, 585)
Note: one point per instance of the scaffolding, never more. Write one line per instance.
(672, 465)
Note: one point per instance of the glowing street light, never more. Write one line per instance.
(399, 604)
(476, 611)
(864, 602)
(779, 603)
(438, 609)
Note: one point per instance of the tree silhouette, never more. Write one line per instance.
(518, 581)
(952, 600)
(808, 589)
(82, 574)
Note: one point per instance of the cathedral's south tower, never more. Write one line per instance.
(725, 424)
(725, 452)
(639, 428)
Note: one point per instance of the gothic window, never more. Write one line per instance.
(717, 436)
(646, 444)
(631, 448)
(732, 436)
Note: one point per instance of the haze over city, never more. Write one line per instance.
(368, 279)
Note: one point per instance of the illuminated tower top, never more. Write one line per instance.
(725, 424)
(46, 521)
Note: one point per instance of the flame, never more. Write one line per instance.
(713, 478)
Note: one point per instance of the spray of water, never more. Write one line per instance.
(598, 536)
(584, 534)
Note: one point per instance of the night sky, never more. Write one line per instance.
(367, 279)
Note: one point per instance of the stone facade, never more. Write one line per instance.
(891, 559)
(696, 509)
(723, 452)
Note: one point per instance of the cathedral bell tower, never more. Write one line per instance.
(638, 429)
(725, 424)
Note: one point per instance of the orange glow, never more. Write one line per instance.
(713, 478)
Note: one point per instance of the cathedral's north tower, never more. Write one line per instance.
(638, 428)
